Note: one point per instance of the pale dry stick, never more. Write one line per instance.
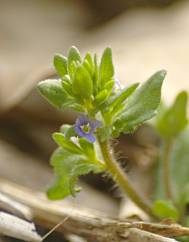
(15, 227)
(54, 228)
(11, 206)
(85, 223)
(137, 235)
(22, 211)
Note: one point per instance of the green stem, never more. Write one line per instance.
(121, 178)
(166, 168)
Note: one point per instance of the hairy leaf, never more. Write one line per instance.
(142, 104)
(121, 96)
(82, 83)
(106, 69)
(88, 148)
(171, 121)
(73, 57)
(53, 91)
(67, 167)
(165, 209)
(66, 143)
(60, 63)
(179, 170)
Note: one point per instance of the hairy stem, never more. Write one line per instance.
(121, 178)
(166, 167)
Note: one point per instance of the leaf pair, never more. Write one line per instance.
(132, 106)
(70, 161)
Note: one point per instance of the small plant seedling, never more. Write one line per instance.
(106, 110)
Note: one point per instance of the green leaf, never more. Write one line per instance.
(104, 94)
(67, 167)
(179, 170)
(67, 85)
(173, 120)
(106, 69)
(142, 104)
(66, 144)
(88, 148)
(68, 131)
(53, 91)
(73, 56)
(96, 74)
(184, 195)
(77, 107)
(109, 85)
(88, 63)
(89, 58)
(101, 97)
(165, 209)
(60, 63)
(82, 83)
(121, 96)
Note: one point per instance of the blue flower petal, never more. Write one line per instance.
(90, 138)
(78, 130)
(93, 124)
(82, 120)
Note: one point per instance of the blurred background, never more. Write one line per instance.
(145, 36)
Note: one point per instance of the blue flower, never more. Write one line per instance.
(86, 127)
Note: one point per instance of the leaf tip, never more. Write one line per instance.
(162, 73)
(40, 86)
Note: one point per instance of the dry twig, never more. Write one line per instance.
(18, 228)
(87, 223)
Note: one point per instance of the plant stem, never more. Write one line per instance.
(121, 178)
(166, 167)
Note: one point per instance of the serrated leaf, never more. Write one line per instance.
(106, 69)
(142, 104)
(173, 120)
(67, 167)
(60, 63)
(53, 91)
(82, 85)
(165, 209)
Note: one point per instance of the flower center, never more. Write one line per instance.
(86, 128)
